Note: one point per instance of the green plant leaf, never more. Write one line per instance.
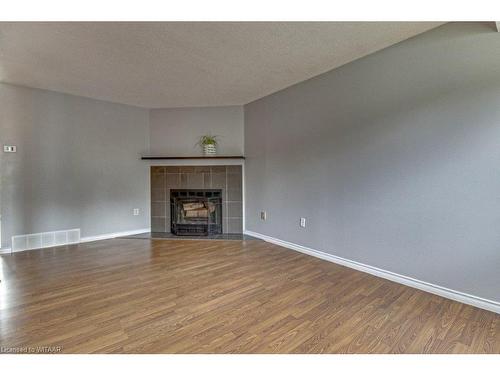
(207, 140)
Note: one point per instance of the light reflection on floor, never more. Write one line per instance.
(3, 285)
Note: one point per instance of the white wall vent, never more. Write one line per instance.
(46, 239)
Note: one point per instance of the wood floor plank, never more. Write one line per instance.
(178, 296)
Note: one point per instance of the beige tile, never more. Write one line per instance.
(234, 195)
(158, 224)
(202, 169)
(218, 181)
(194, 180)
(157, 169)
(167, 214)
(173, 181)
(158, 181)
(218, 169)
(183, 181)
(224, 210)
(187, 169)
(158, 209)
(172, 169)
(234, 225)
(233, 181)
(207, 181)
(234, 210)
(236, 169)
(158, 195)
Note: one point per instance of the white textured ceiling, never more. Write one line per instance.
(179, 64)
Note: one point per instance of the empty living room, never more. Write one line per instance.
(233, 181)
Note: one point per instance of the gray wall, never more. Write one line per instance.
(175, 131)
(77, 164)
(394, 160)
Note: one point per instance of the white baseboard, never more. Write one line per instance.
(5, 250)
(401, 279)
(108, 236)
(100, 237)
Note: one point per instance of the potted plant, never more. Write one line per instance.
(209, 145)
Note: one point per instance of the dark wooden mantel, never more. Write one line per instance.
(190, 157)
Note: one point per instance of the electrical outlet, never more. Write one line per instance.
(9, 148)
(303, 222)
(136, 211)
(263, 215)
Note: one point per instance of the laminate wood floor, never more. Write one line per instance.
(167, 296)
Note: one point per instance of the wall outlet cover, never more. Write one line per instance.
(263, 215)
(7, 148)
(303, 222)
(136, 211)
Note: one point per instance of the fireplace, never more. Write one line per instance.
(224, 178)
(195, 212)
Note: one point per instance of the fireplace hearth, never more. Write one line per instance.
(196, 212)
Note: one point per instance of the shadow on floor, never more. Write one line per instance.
(170, 236)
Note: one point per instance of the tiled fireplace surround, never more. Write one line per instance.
(225, 177)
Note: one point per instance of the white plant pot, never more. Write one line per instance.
(209, 150)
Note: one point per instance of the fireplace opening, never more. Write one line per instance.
(195, 212)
